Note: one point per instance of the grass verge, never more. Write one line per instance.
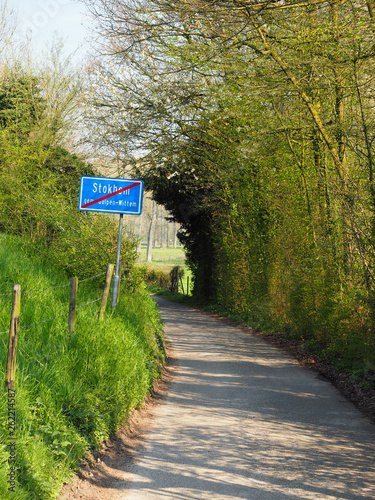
(172, 296)
(72, 390)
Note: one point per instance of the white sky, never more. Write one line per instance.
(41, 19)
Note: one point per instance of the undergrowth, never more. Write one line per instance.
(72, 390)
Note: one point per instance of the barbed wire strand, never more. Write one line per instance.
(39, 290)
(54, 287)
(51, 319)
(41, 322)
(92, 277)
(91, 302)
(51, 288)
(44, 289)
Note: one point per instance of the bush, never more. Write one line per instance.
(158, 277)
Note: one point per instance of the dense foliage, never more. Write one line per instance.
(39, 181)
(72, 390)
(252, 122)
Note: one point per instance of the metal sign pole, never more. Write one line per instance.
(115, 196)
(117, 277)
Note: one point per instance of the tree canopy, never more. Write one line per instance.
(40, 176)
(252, 123)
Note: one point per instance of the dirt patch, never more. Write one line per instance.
(102, 473)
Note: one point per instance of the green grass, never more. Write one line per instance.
(165, 259)
(173, 297)
(164, 256)
(72, 390)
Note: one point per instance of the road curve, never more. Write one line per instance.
(242, 420)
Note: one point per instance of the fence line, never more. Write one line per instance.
(44, 289)
(88, 303)
(52, 319)
(41, 322)
(16, 309)
(93, 277)
(52, 287)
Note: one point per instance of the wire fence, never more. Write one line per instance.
(88, 303)
(93, 277)
(45, 289)
(16, 313)
(54, 288)
(41, 322)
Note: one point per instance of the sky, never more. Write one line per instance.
(41, 19)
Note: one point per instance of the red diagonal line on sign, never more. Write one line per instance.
(112, 194)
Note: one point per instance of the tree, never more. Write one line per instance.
(39, 177)
(250, 121)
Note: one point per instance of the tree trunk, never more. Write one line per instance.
(174, 235)
(161, 230)
(140, 236)
(151, 233)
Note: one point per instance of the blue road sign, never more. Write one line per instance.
(116, 196)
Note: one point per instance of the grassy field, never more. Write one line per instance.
(72, 389)
(165, 259)
(167, 256)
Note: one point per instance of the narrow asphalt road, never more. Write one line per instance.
(242, 420)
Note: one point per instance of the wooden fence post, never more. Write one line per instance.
(187, 285)
(108, 279)
(13, 336)
(178, 277)
(73, 303)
